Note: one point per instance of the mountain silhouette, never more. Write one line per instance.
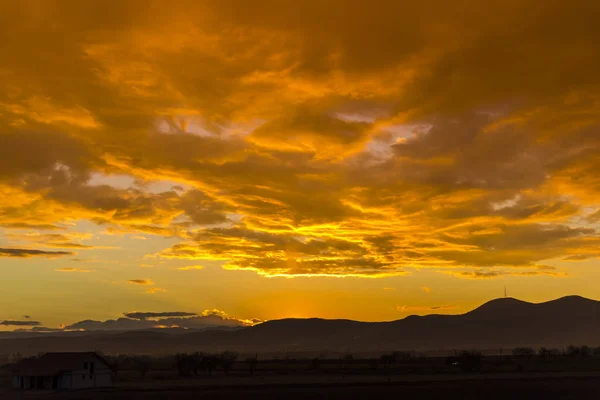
(500, 323)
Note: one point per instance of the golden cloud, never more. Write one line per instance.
(155, 290)
(191, 268)
(307, 141)
(72, 269)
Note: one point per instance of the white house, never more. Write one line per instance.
(62, 371)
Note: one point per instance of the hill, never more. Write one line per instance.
(500, 323)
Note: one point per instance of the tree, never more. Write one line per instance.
(345, 360)
(115, 364)
(585, 351)
(579, 351)
(15, 357)
(252, 363)
(401, 355)
(523, 352)
(387, 360)
(228, 358)
(470, 360)
(546, 353)
(210, 363)
(315, 363)
(142, 364)
(188, 364)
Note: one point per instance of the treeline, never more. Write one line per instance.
(397, 362)
(545, 353)
(185, 364)
(200, 363)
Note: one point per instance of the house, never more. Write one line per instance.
(62, 371)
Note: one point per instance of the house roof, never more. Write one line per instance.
(51, 364)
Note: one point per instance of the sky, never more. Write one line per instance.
(270, 159)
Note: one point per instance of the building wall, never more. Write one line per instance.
(64, 382)
(16, 382)
(32, 382)
(82, 379)
(104, 379)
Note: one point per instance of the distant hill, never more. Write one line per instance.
(500, 323)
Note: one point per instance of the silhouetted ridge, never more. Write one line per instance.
(501, 305)
(500, 323)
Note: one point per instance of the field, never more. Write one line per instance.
(529, 386)
(419, 378)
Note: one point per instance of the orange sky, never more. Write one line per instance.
(270, 159)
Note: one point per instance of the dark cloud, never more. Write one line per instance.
(40, 329)
(148, 320)
(440, 307)
(140, 281)
(19, 323)
(149, 315)
(26, 253)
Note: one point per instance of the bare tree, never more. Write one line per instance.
(228, 358)
(142, 364)
(210, 363)
(252, 363)
(523, 352)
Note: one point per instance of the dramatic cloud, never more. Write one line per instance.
(27, 253)
(324, 139)
(19, 323)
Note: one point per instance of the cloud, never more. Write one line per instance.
(141, 281)
(490, 274)
(309, 142)
(149, 315)
(27, 253)
(424, 309)
(19, 323)
(190, 268)
(39, 329)
(216, 314)
(66, 240)
(72, 269)
(147, 320)
(155, 290)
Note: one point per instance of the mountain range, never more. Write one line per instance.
(501, 323)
